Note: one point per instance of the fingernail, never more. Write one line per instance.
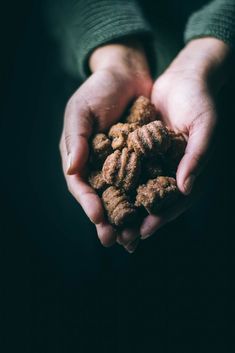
(119, 241)
(145, 236)
(132, 247)
(188, 184)
(130, 251)
(69, 162)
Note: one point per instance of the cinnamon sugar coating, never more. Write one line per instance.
(157, 194)
(119, 133)
(149, 139)
(118, 207)
(122, 168)
(142, 111)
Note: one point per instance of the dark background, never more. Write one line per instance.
(61, 291)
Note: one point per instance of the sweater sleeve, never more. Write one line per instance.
(216, 19)
(83, 25)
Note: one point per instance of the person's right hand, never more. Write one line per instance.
(120, 74)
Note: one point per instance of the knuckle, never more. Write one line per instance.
(70, 188)
(61, 145)
(68, 138)
(68, 141)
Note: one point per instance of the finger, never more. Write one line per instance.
(132, 246)
(87, 197)
(154, 222)
(106, 233)
(128, 235)
(201, 134)
(82, 192)
(78, 122)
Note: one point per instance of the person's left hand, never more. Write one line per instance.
(184, 97)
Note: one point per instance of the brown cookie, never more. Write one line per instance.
(119, 133)
(97, 181)
(149, 139)
(118, 207)
(122, 169)
(157, 194)
(142, 111)
(100, 148)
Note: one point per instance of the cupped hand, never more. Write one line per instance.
(120, 74)
(185, 98)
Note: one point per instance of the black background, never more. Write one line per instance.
(61, 291)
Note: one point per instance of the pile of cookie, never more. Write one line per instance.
(133, 166)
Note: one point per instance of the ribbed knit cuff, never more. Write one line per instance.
(217, 19)
(103, 21)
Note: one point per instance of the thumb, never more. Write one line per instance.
(201, 134)
(77, 130)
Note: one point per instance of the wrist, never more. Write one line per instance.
(127, 58)
(208, 58)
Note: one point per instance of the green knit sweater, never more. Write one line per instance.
(83, 25)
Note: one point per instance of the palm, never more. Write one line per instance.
(106, 95)
(182, 101)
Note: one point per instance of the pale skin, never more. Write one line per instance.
(184, 96)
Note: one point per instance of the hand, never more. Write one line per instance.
(120, 74)
(184, 96)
